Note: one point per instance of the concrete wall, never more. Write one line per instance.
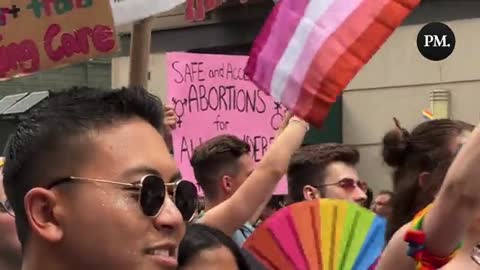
(396, 82)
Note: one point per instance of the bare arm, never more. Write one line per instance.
(446, 223)
(259, 211)
(170, 122)
(395, 254)
(238, 209)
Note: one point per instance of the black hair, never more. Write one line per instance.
(368, 201)
(51, 136)
(386, 192)
(275, 202)
(200, 237)
(308, 166)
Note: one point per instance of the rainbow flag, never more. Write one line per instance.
(427, 114)
(309, 50)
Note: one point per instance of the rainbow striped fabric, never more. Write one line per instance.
(427, 114)
(309, 50)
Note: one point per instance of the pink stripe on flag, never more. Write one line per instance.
(280, 35)
(338, 43)
(260, 41)
(333, 18)
(347, 65)
(287, 62)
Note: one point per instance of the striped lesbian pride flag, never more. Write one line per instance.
(309, 50)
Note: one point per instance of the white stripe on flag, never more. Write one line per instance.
(314, 10)
(337, 14)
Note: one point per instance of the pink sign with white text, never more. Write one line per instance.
(211, 96)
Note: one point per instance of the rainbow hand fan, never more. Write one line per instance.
(323, 234)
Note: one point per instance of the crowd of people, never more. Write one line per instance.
(89, 182)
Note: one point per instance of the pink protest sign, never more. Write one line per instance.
(211, 96)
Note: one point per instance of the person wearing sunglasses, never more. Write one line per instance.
(325, 171)
(10, 253)
(93, 186)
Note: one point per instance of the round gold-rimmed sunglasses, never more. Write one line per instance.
(153, 192)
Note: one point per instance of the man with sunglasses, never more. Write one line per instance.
(325, 171)
(10, 253)
(92, 184)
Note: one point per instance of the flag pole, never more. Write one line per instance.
(140, 52)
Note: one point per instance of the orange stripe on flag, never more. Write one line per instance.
(316, 98)
(325, 91)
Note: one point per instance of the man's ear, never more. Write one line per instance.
(43, 213)
(310, 193)
(227, 184)
(424, 180)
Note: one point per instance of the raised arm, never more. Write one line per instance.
(170, 121)
(230, 215)
(446, 223)
(256, 216)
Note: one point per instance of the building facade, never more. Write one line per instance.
(94, 73)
